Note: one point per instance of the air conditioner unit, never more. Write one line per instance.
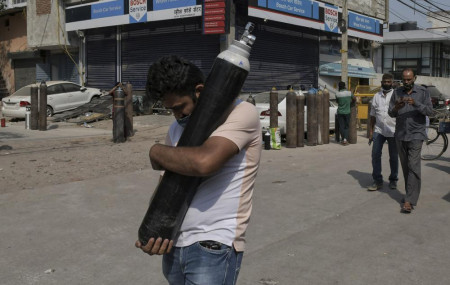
(364, 45)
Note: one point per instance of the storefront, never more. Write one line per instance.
(122, 41)
(120, 46)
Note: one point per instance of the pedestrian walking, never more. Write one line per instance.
(382, 129)
(410, 104)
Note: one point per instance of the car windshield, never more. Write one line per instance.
(24, 91)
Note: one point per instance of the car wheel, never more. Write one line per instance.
(95, 99)
(49, 111)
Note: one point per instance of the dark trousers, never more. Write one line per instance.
(377, 150)
(344, 121)
(409, 153)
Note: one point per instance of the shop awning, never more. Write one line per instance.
(359, 68)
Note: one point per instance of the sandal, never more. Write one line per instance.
(407, 208)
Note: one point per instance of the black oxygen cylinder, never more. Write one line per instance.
(175, 192)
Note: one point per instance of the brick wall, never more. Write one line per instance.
(43, 7)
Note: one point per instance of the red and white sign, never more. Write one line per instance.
(138, 11)
(331, 19)
(214, 16)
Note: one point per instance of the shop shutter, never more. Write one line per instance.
(24, 72)
(65, 68)
(144, 44)
(101, 58)
(282, 57)
(43, 69)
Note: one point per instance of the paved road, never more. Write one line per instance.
(313, 223)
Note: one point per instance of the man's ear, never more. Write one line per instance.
(198, 90)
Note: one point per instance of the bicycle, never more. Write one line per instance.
(437, 141)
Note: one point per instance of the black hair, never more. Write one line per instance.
(387, 76)
(341, 85)
(172, 74)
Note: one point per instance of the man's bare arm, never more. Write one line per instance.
(203, 160)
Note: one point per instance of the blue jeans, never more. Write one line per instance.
(198, 265)
(377, 150)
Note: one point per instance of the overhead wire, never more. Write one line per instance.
(423, 28)
(423, 15)
(427, 9)
(437, 7)
(420, 11)
(398, 16)
(446, 5)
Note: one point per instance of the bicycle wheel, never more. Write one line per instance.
(432, 133)
(432, 149)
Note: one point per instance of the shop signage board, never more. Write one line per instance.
(216, 16)
(107, 9)
(331, 17)
(138, 11)
(122, 12)
(316, 15)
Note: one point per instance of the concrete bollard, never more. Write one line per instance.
(291, 119)
(119, 116)
(273, 108)
(319, 111)
(326, 116)
(34, 116)
(43, 106)
(300, 120)
(128, 131)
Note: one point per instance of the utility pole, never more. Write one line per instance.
(344, 44)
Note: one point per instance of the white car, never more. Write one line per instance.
(262, 101)
(61, 96)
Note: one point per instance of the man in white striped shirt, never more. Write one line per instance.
(382, 129)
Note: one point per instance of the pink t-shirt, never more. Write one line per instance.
(221, 207)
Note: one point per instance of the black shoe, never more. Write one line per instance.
(393, 185)
(375, 186)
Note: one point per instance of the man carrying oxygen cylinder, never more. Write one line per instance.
(209, 247)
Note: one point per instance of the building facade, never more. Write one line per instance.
(427, 52)
(98, 43)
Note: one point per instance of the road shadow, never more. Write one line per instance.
(8, 135)
(395, 194)
(365, 179)
(5, 147)
(447, 197)
(443, 168)
(52, 127)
